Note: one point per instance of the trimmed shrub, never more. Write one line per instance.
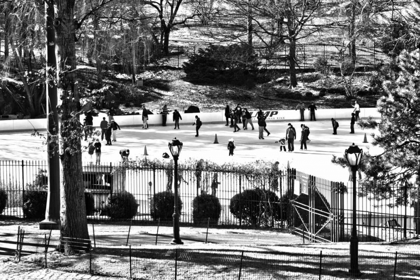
(234, 64)
(321, 65)
(309, 94)
(90, 204)
(249, 205)
(122, 205)
(162, 206)
(3, 200)
(34, 204)
(206, 206)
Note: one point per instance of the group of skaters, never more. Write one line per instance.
(108, 130)
(242, 116)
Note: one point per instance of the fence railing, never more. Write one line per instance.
(316, 208)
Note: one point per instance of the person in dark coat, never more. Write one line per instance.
(197, 124)
(301, 108)
(145, 117)
(231, 146)
(108, 134)
(352, 122)
(238, 117)
(227, 114)
(104, 125)
(290, 137)
(176, 117)
(88, 125)
(114, 126)
(312, 109)
(261, 126)
(248, 118)
(334, 125)
(303, 137)
(165, 113)
(98, 151)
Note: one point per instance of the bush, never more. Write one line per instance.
(90, 204)
(309, 94)
(347, 66)
(122, 205)
(34, 204)
(162, 206)
(3, 200)
(249, 205)
(321, 65)
(206, 206)
(235, 64)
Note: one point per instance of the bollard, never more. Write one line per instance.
(90, 262)
(46, 250)
(176, 263)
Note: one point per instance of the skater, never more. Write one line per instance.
(312, 109)
(104, 125)
(124, 154)
(227, 114)
(91, 150)
(290, 137)
(352, 122)
(335, 125)
(98, 151)
(303, 137)
(88, 125)
(108, 134)
(145, 117)
(282, 143)
(176, 118)
(301, 108)
(197, 124)
(238, 117)
(243, 120)
(165, 113)
(261, 126)
(111, 114)
(231, 146)
(356, 111)
(114, 126)
(248, 118)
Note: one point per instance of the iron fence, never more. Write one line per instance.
(315, 208)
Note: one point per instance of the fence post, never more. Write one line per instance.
(176, 263)
(46, 250)
(23, 181)
(130, 262)
(90, 262)
(94, 238)
(240, 201)
(157, 231)
(395, 265)
(240, 266)
(320, 265)
(128, 235)
(208, 224)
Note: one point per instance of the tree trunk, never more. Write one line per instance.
(6, 33)
(292, 62)
(352, 38)
(97, 48)
(166, 33)
(73, 209)
(249, 26)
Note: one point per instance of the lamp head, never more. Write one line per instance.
(175, 147)
(353, 155)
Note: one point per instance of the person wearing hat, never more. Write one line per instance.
(231, 146)
(124, 154)
(290, 137)
(114, 126)
(98, 151)
(335, 125)
(104, 125)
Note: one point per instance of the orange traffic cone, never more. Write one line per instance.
(365, 140)
(145, 151)
(215, 139)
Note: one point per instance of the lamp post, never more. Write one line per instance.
(175, 147)
(354, 156)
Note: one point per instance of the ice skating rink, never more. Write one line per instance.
(316, 160)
